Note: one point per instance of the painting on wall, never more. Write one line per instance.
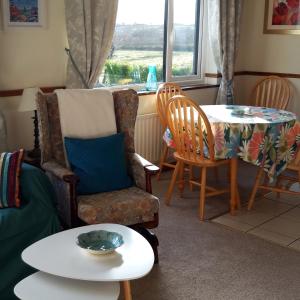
(282, 17)
(24, 12)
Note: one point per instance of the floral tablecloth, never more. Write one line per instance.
(262, 136)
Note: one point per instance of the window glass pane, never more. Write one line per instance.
(137, 43)
(183, 59)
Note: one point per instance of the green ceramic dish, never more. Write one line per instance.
(99, 241)
(238, 112)
(241, 111)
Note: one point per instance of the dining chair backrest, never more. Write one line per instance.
(164, 93)
(191, 130)
(273, 92)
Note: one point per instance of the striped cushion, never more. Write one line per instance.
(10, 166)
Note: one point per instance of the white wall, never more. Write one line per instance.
(31, 56)
(265, 53)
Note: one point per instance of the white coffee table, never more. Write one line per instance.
(59, 255)
(44, 286)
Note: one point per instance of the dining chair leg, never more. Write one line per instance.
(278, 184)
(238, 199)
(181, 179)
(172, 184)
(229, 174)
(233, 183)
(216, 174)
(255, 187)
(163, 157)
(191, 177)
(265, 183)
(202, 194)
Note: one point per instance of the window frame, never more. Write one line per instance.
(198, 52)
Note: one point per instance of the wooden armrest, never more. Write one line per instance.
(148, 166)
(61, 172)
(64, 182)
(151, 170)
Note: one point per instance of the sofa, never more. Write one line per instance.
(20, 227)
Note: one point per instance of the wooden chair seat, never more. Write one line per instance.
(195, 162)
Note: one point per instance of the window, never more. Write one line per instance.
(183, 40)
(164, 33)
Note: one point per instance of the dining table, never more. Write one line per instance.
(265, 137)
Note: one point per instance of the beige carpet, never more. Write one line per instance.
(203, 260)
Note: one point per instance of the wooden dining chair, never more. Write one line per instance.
(273, 92)
(164, 93)
(194, 142)
(284, 181)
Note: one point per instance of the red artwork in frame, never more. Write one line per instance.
(282, 16)
(24, 13)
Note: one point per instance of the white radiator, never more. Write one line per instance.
(148, 137)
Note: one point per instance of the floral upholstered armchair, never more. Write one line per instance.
(134, 206)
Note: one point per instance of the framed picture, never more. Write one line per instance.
(24, 12)
(282, 17)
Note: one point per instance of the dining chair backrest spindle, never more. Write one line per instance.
(273, 92)
(191, 130)
(164, 93)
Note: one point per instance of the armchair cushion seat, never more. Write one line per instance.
(127, 206)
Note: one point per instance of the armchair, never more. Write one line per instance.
(134, 206)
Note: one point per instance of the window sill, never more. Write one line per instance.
(184, 88)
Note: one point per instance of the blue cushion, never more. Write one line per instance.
(99, 163)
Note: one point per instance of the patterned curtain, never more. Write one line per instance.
(90, 28)
(224, 29)
(3, 133)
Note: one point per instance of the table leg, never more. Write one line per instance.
(127, 290)
(233, 184)
(238, 199)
